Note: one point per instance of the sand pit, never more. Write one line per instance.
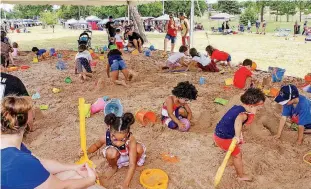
(273, 164)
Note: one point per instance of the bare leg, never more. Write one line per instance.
(300, 134)
(126, 74)
(172, 47)
(140, 151)
(135, 42)
(114, 77)
(238, 164)
(165, 44)
(112, 156)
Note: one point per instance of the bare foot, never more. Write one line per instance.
(245, 178)
(110, 172)
(120, 83)
(299, 142)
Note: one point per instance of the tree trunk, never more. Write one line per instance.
(277, 14)
(261, 12)
(138, 25)
(300, 7)
(287, 17)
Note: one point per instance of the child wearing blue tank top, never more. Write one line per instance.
(232, 124)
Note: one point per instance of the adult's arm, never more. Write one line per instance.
(55, 167)
(187, 26)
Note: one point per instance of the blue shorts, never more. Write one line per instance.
(117, 65)
(169, 37)
(307, 126)
(229, 58)
(83, 62)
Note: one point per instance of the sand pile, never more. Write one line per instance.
(274, 164)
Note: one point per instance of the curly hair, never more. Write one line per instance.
(14, 114)
(253, 96)
(120, 124)
(185, 90)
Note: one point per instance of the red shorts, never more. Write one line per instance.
(119, 45)
(225, 143)
(183, 39)
(211, 67)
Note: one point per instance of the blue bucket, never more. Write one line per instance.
(147, 53)
(61, 65)
(105, 48)
(52, 51)
(152, 48)
(114, 106)
(277, 74)
(202, 80)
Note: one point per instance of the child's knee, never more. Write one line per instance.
(140, 149)
(112, 153)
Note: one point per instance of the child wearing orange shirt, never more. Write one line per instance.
(243, 76)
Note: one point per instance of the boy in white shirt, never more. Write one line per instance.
(83, 60)
(177, 59)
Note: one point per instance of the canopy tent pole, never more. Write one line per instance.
(128, 12)
(163, 7)
(191, 23)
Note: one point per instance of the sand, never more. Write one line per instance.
(273, 164)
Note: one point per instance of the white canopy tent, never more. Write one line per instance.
(121, 18)
(164, 17)
(92, 18)
(72, 21)
(104, 21)
(82, 21)
(222, 16)
(96, 3)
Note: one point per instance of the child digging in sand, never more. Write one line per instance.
(176, 106)
(217, 55)
(40, 53)
(203, 62)
(232, 124)
(116, 64)
(243, 76)
(297, 107)
(121, 149)
(177, 60)
(83, 60)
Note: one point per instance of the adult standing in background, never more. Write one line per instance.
(295, 28)
(304, 27)
(257, 26)
(185, 28)
(263, 29)
(171, 35)
(111, 28)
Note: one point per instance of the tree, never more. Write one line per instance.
(303, 6)
(176, 7)
(261, 7)
(138, 25)
(275, 7)
(151, 9)
(230, 7)
(49, 18)
(287, 8)
(248, 15)
(30, 11)
(6, 14)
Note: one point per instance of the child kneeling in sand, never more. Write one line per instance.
(217, 55)
(176, 106)
(203, 62)
(243, 76)
(40, 53)
(232, 123)
(83, 60)
(177, 60)
(116, 64)
(121, 149)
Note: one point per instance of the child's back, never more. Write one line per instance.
(242, 74)
(84, 54)
(175, 57)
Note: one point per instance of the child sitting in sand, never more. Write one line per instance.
(243, 76)
(232, 123)
(116, 64)
(202, 61)
(121, 147)
(217, 55)
(83, 59)
(40, 53)
(176, 106)
(119, 39)
(297, 107)
(177, 60)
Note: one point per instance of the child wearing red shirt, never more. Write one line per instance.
(242, 77)
(217, 55)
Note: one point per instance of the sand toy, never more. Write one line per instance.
(114, 106)
(25, 67)
(254, 66)
(35, 60)
(308, 161)
(222, 167)
(186, 122)
(55, 90)
(44, 107)
(221, 101)
(98, 106)
(135, 52)
(84, 159)
(36, 96)
(202, 80)
(229, 81)
(68, 80)
(154, 179)
(147, 53)
(13, 68)
(167, 157)
(145, 117)
(277, 74)
(152, 48)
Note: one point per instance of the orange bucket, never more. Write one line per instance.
(254, 66)
(274, 92)
(308, 78)
(145, 117)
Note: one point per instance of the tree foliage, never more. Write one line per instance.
(230, 7)
(177, 7)
(152, 9)
(49, 18)
(6, 14)
(287, 8)
(248, 15)
(30, 11)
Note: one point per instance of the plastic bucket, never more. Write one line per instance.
(186, 122)
(145, 117)
(147, 53)
(114, 106)
(152, 48)
(52, 51)
(202, 80)
(98, 106)
(277, 74)
(254, 66)
(308, 78)
(274, 92)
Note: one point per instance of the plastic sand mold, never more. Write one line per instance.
(68, 80)
(25, 67)
(221, 101)
(266, 91)
(35, 96)
(44, 107)
(135, 52)
(167, 157)
(84, 159)
(154, 179)
(308, 161)
(35, 60)
(229, 81)
(222, 167)
(101, 57)
(56, 90)
(13, 68)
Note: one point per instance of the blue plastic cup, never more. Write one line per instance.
(202, 80)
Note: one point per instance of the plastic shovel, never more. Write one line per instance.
(84, 159)
(222, 167)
